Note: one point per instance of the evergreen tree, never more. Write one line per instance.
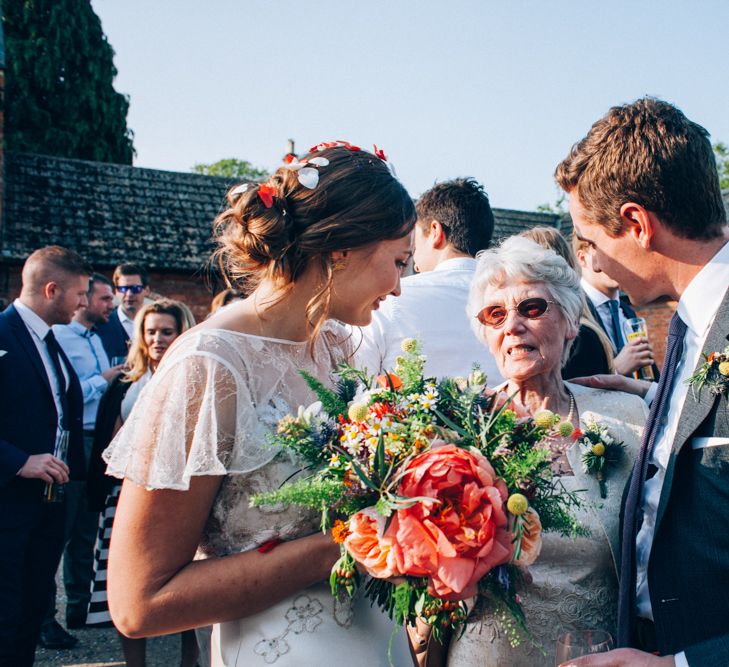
(59, 97)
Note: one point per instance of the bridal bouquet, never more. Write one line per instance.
(439, 490)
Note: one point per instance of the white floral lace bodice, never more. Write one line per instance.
(575, 582)
(208, 411)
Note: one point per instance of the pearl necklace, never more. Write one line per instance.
(571, 413)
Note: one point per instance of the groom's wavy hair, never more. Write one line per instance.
(356, 203)
(649, 153)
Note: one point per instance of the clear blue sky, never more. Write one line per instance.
(495, 90)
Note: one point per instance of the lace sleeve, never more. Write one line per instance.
(195, 417)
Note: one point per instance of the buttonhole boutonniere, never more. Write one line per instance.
(600, 452)
(713, 373)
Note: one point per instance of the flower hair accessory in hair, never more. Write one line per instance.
(307, 176)
(379, 153)
(266, 193)
(239, 190)
(333, 144)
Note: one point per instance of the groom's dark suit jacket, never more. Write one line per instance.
(688, 569)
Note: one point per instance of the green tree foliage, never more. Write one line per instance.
(721, 151)
(232, 168)
(59, 94)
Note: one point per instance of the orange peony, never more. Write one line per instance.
(456, 541)
(531, 541)
(368, 546)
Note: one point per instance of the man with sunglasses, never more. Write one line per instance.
(131, 286)
(644, 194)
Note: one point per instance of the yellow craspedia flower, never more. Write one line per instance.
(565, 429)
(357, 412)
(724, 367)
(598, 449)
(409, 345)
(517, 504)
(544, 419)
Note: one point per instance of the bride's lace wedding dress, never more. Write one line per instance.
(575, 582)
(207, 411)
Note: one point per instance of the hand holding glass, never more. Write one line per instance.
(635, 328)
(53, 491)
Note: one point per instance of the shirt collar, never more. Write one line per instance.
(123, 316)
(595, 295)
(31, 319)
(456, 263)
(79, 328)
(700, 300)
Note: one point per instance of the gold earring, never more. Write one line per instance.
(339, 264)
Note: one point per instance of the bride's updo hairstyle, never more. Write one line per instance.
(275, 230)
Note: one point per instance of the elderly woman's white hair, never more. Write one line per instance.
(520, 259)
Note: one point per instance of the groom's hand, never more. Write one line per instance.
(622, 657)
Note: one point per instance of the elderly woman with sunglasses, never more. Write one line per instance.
(525, 303)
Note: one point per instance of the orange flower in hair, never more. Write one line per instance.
(266, 193)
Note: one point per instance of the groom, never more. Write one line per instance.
(644, 195)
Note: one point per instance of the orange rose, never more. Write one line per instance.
(531, 541)
(463, 533)
(368, 546)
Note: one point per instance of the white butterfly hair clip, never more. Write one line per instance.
(307, 176)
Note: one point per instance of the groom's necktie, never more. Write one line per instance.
(632, 513)
(54, 353)
(614, 308)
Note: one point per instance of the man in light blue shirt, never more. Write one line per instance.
(86, 353)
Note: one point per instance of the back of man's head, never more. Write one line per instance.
(130, 269)
(51, 264)
(462, 208)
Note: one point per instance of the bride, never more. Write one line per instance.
(323, 241)
(525, 302)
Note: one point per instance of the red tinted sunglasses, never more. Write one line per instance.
(531, 309)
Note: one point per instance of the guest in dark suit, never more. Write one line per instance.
(645, 197)
(40, 396)
(611, 313)
(131, 286)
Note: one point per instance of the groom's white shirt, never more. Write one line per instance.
(697, 308)
(431, 308)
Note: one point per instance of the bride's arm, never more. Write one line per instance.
(155, 587)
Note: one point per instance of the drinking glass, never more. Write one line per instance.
(574, 644)
(635, 328)
(118, 361)
(53, 492)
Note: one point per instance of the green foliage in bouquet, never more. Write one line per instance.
(355, 445)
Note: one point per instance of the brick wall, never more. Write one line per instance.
(657, 317)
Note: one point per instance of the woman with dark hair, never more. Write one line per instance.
(323, 241)
(156, 326)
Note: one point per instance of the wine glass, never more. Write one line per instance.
(574, 644)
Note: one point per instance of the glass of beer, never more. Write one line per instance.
(574, 644)
(635, 328)
(54, 492)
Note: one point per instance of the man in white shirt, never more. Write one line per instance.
(644, 194)
(455, 221)
(86, 353)
(603, 298)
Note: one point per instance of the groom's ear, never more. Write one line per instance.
(639, 223)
